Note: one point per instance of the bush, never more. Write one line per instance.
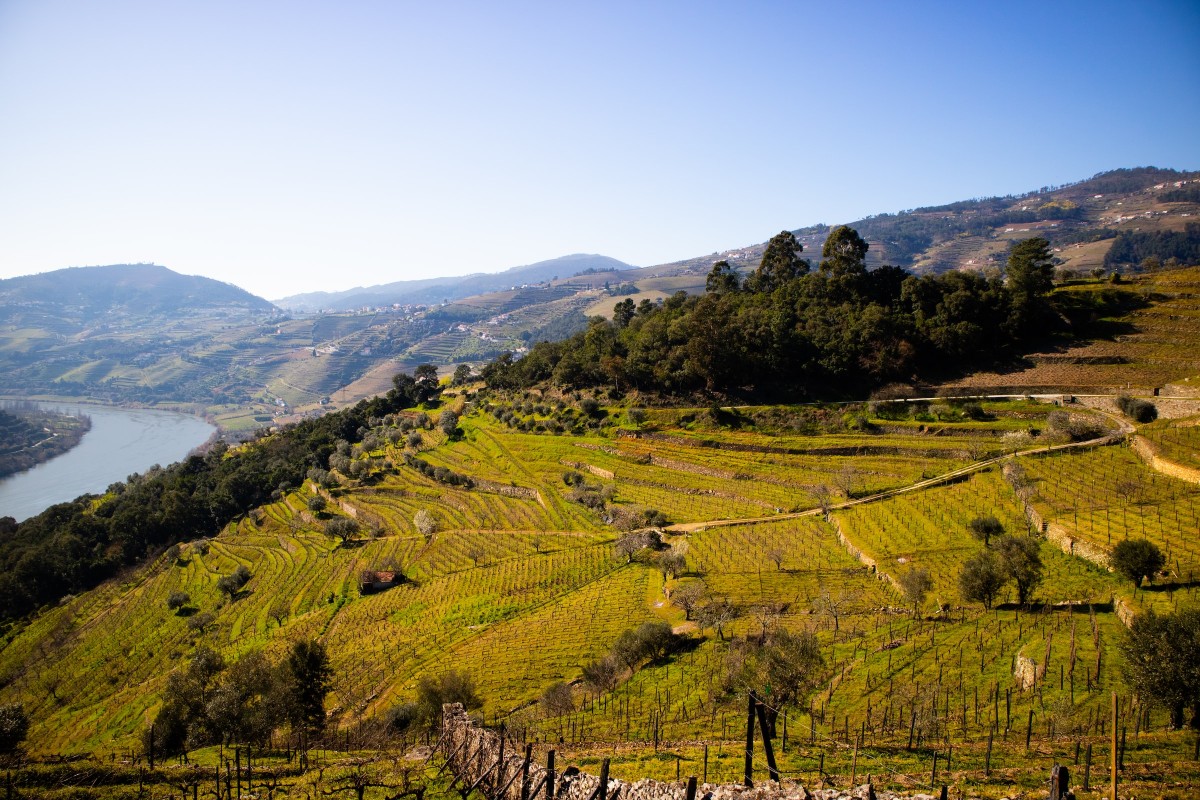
(1137, 409)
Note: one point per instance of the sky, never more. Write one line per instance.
(303, 146)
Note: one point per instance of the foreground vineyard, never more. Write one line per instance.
(512, 538)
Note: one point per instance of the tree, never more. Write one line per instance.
(1030, 276)
(317, 504)
(722, 279)
(981, 579)
(984, 528)
(688, 597)
(307, 677)
(1020, 557)
(623, 312)
(637, 416)
(603, 673)
(781, 262)
(629, 545)
(557, 700)
(776, 554)
(178, 600)
(425, 523)
(14, 725)
(1137, 559)
(915, 583)
(426, 385)
(448, 423)
(672, 563)
(449, 687)
(343, 528)
(715, 614)
(232, 584)
(198, 622)
(1162, 661)
(462, 375)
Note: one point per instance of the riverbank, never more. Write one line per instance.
(30, 436)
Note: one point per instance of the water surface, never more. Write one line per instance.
(122, 441)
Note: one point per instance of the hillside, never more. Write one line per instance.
(773, 519)
(82, 295)
(168, 339)
(444, 290)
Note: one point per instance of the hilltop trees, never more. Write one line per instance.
(787, 328)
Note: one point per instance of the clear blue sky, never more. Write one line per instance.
(295, 146)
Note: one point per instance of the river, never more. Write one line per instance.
(122, 441)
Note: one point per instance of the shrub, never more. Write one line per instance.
(1137, 409)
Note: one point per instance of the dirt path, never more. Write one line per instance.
(1125, 429)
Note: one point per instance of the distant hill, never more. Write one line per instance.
(439, 290)
(1081, 220)
(88, 292)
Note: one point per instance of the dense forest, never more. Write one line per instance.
(72, 547)
(788, 330)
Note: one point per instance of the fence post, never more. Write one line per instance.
(604, 779)
(691, 788)
(772, 770)
(525, 772)
(1087, 768)
(1060, 783)
(550, 777)
(1114, 746)
(747, 780)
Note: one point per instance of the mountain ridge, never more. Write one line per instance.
(435, 290)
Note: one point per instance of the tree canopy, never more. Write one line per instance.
(788, 330)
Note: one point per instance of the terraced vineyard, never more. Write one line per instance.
(519, 577)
